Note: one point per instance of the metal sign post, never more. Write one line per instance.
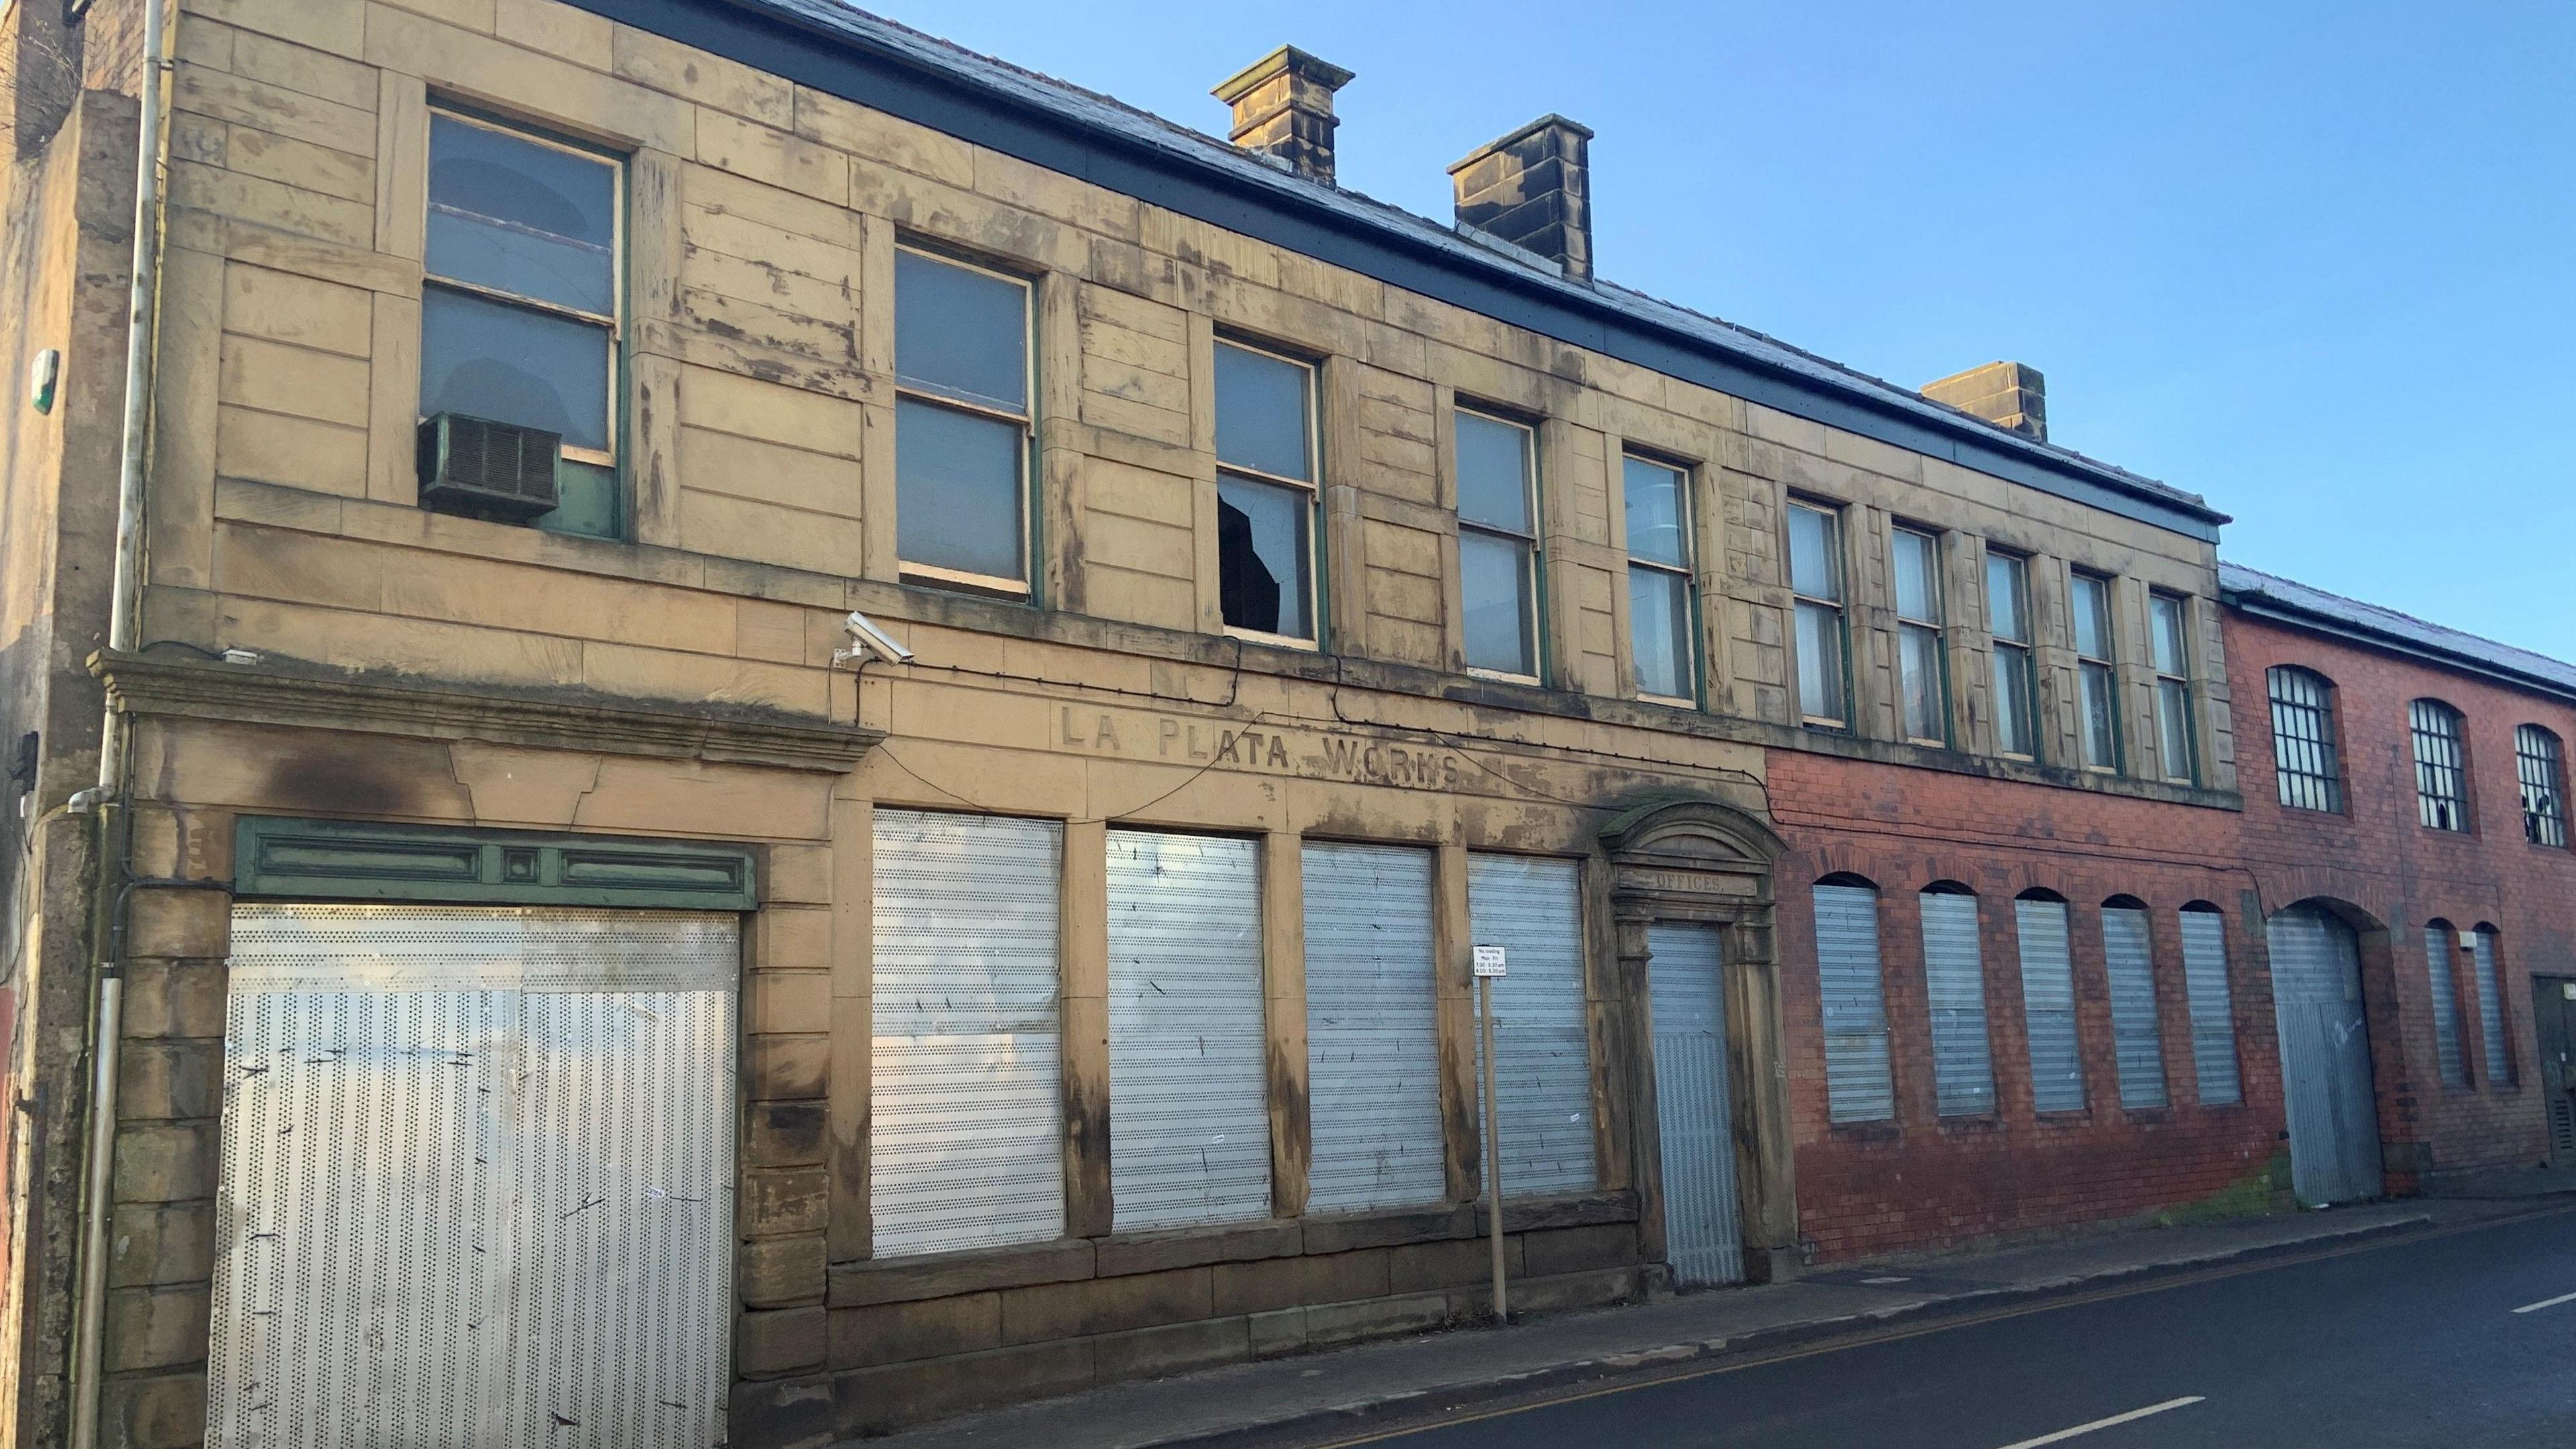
(1489, 969)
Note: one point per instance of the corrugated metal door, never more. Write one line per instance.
(2048, 1007)
(2325, 1057)
(477, 1182)
(1189, 1111)
(1858, 1087)
(1695, 1121)
(2553, 1000)
(1372, 1029)
(965, 1130)
(1954, 980)
(2442, 980)
(1543, 1058)
(2128, 962)
(2213, 1007)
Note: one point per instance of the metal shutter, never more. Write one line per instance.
(1695, 1123)
(2491, 1008)
(2048, 1007)
(2213, 1008)
(1954, 981)
(2443, 981)
(1848, 982)
(966, 1110)
(2128, 962)
(1543, 1059)
(1189, 1106)
(1372, 1029)
(477, 1180)
(2326, 1088)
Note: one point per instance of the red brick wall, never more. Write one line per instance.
(2378, 858)
(1923, 1179)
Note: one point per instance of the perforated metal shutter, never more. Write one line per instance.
(1954, 978)
(2048, 1007)
(1372, 1029)
(477, 1178)
(2491, 1008)
(2443, 981)
(2213, 1007)
(1694, 1117)
(2128, 962)
(1189, 1113)
(1849, 982)
(1543, 1060)
(965, 1133)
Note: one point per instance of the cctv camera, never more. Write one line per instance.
(868, 641)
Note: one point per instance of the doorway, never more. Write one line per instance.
(1694, 1110)
(2554, 1011)
(2326, 1086)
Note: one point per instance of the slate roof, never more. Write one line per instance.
(2241, 587)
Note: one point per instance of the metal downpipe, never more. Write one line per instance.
(123, 633)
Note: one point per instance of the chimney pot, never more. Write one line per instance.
(2008, 394)
(1533, 188)
(1283, 107)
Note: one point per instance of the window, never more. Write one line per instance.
(1816, 578)
(1542, 1049)
(2097, 682)
(2303, 739)
(966, 1132)
(2048, 1005)
(1265, 492)
(2213, 1004)
(2442, 975)
(519, 318)
(1954, 985)
(2536, 761)
(2482, 953)
(1661, 595)
(2128, 964)
(2441, 765)
(1189, 1081)
(961, 423)
(1372, 1029)
(1922, 696)
(2016, 686)
(1857, 1082)
(1498, 550)
(2168, 616)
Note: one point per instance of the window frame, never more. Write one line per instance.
(1838, 606)
(2538, 752)
(1937, 626)
(2323, 743)
(909, 571)
(2089, 666)
(1534, 566)
(2173, 684)
(612, 324)
(2429, 806)
(1313, 488)
(2019, 650)
(1684, 496)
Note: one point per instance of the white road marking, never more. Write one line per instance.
(2547, 1303)
(2134, 1414)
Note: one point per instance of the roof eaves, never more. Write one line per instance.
(2375, 626)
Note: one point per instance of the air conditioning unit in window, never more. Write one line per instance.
(493, 470)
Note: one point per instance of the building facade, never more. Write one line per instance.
(829, 724)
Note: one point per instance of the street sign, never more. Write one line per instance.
(1489, 960)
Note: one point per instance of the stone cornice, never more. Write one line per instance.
(305, 696)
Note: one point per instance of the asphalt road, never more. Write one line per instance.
(2409, 1342)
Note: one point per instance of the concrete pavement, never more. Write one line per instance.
(1322, 1396)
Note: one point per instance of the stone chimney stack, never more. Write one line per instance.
(1283, 107)
(1533, 188)
(2009, 394)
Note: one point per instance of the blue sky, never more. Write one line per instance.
(2316, 262)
